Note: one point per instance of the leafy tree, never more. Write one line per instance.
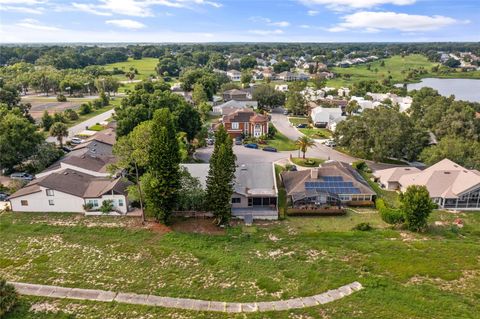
(416, 206)
(8, 94)
(268, 97)
(204, 109)
(248, 62)
(187, 120)
(59, 130)
(352, 107)
(192, 197)
(296, 103)
(304, 143)
(199, 95)
(47, 121)
(221, 177)
(45, 155)
(282, 67)
(85, 108)
(163, 180)
(452, 63)
(462, 151)
(246, 77)
(70, 114)
(168, 66)
(18, 140)
(217, 61)
(132, 156)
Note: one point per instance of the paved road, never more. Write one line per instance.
(184, 303)
(72, 131)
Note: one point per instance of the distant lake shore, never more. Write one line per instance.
(463, 89)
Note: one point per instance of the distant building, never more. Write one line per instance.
(234, 75)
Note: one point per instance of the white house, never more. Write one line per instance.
(323, 117)
(70, 191)
(234, 75)
(343, 91)
(281, 87)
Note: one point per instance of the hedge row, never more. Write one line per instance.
(392, 216)
(8, 297)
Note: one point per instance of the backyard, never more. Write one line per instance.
(429, 275)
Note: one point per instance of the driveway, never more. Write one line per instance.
(74, 130)
(284, 126)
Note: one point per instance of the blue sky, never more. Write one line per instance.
(239, 20)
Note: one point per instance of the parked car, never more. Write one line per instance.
(251, 145)
(67, 149)
(285, 112)
(76, 140)
(330, 143)
(22, 176)
(238, 141)
(302, 125)
(293, 168)
(3, 197)
(270, 149)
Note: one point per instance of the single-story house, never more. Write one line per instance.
(450, 185)
(332, 184)
(255, 189)
(238, 95)
(234, 75)
(323, 116)
(70, 191)
(245, 122)
(390, 178)
(233, 104)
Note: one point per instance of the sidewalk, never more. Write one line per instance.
(184, 303)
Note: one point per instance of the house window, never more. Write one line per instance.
(236, 200)
(49, 192)
(24, 202)
(93, 202)
(120, 202)
(235, 126)
(51, 202)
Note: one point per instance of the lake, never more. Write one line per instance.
(463, 89)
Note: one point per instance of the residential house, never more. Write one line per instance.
(289, 76)
(255, 190)
(234, 75)
(343, 92)
(332, 184)
(238, 95)
(225, 108)
(70, 191)
(245, 122)
(281, 87)
(403, 103)
(450, 185)
(323, 116)
(311, 94)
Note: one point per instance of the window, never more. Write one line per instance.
(24, 202)
(235, 126)
(236, 200)
(51, 202)
(93, 202)
(49, 192)
(120, 202)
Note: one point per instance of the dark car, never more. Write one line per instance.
(67, 149)
(3, 197)
(251, 145)
(238, 141)
(303, 125)
(270, 149)
(293, 168)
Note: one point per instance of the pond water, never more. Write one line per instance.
(463, 89)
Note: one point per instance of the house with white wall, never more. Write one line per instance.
(234, 75)
(324, 116)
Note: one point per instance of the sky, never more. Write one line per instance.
(143, 21)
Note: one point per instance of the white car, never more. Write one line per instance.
(76, 140)
(330, 143)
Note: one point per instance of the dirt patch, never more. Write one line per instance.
(156, 227)
(198, 226)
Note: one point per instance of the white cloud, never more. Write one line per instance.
(266, 32)
(312, 12)
(126, 23)
(305, 26)
(375, 21)
(267, 21)
(23, 2)
(21, 9)
(136, 8)
(341, 5)
(35, 25)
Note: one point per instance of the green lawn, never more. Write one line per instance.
(316, 133)
(282, 193)
(307, 162)
(145, 67)
(82, 118)
(391, 198)
(298, 120)
(96, 127)
(406, 275)
(282, 143)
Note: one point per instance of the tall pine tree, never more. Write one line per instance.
(221, 177)
(163, 177)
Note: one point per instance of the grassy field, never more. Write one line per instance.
(431, 275)
(145, 67)
(298, 120)
(282, 143)
(316, 133)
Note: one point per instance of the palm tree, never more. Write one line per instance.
(59, 130)
(304, 143)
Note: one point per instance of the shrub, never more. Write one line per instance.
(104, 99)
(363, 227)
(360, 165)
(417, 206)
(61, 98)
(271, 131)
(8, 297)
(86, 108)
(391, 216)
(97, 104)
(71, 114)
(107, 206)
(88, 207)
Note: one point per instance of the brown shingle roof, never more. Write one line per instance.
(244, 115)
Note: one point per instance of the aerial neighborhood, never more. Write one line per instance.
(223, 179)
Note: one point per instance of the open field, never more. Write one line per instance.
(282, 143)
(51, 105)
(395, 66)
(145, 67)
(430, 275)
